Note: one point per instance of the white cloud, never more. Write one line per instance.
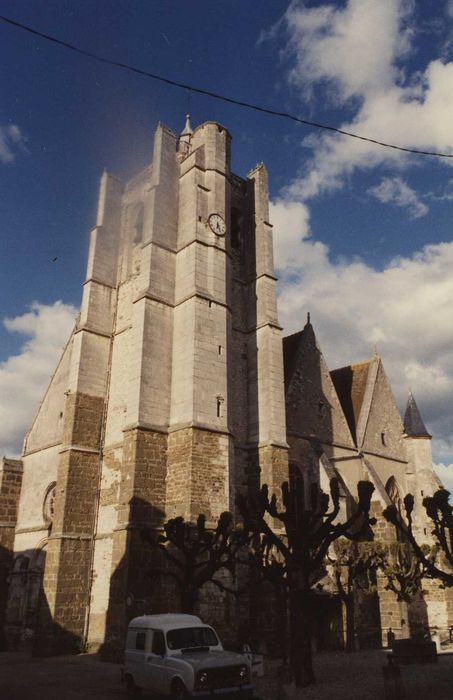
(293, 222)
(355, 53)
(394, 190)
(404, 310)
(24, 377)
(446, 194)
(334, 44)
(445, 474)
(11, 140)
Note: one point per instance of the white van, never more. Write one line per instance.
(178, 656)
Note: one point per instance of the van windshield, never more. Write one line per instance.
(191, 638)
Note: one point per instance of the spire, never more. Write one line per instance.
(187, 131)
(413, 422)
(185, 138)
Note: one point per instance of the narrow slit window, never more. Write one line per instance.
(220, 350)
(219, 406)
(383, 438)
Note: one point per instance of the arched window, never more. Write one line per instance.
(48, 505)
(394, 494)
(396, 498)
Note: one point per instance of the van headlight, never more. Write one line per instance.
(202, 677)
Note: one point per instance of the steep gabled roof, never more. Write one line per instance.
(370, 408)
(413, 422)
(350, 383)
(291, 346)
(312, 405)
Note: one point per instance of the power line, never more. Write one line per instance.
(215, 95)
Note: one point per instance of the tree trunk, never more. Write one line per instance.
(188, 599)
(350, 622)
(301, 634)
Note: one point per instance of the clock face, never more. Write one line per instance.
(217, 224)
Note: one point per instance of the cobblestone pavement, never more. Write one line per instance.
(340, 676)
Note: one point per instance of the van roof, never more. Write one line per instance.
(165, 621)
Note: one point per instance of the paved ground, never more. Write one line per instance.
(58, 678)
(359, 676)
(340, 676)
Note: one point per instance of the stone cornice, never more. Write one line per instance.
(42, 448)
(79, 448)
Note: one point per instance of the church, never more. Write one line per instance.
(175, 393)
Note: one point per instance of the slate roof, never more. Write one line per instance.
(350, 383)
(413, 422)
(291, 345)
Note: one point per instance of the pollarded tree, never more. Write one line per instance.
(197, 555)
(403, 570)
(354, 566)
(440, 512)
(289, 542)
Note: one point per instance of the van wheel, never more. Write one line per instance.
(132, 688)
(178, 690)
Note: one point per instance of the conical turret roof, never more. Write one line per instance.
(187, 131)
(413, 422)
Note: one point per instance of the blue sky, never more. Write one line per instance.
(363, 235)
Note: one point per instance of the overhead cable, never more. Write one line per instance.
(215, 95)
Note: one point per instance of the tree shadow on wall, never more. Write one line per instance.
(28, 623)
(6, 563)
(130, 592)
(144, 583)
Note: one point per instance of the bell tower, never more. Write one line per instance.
(170, 391)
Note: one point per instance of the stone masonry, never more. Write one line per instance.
(169, 396)
(10, 483)
(174, 394)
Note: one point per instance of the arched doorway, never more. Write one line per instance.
(25, 593)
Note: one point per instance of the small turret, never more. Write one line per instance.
(185, 137)
(187, 131)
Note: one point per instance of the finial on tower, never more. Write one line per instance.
(308, 318)
(187, 131)
(185, 138)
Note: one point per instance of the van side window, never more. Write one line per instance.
(140, 641)
(158, 643)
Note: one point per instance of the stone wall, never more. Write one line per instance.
(10, 485)
(169, 399)
(141, 504)
(198, 478)
(70, 546)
